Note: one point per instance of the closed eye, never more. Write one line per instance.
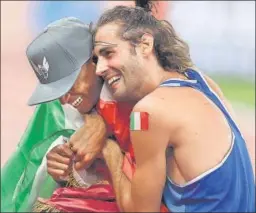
(107, 54)
(95, 59)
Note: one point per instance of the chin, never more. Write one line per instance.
(121, 97)
(84, 110)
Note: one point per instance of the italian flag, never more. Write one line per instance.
(139, 121)
(24, 177)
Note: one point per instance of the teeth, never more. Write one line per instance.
(113, 79)
(77, 102)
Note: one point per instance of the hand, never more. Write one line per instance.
(59, 161)
(88, 141)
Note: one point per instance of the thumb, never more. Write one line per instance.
(86, 162)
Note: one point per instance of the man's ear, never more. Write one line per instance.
(147, 44)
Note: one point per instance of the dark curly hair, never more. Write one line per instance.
(171, 51)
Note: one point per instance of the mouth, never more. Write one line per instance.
(77, 102)
(113, 80)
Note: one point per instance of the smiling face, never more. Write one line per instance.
(86, 91)
(119, 63)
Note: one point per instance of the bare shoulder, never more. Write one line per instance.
(155, 137)
(151, 103)
(152, 106)
(163, 119)
(157, 104)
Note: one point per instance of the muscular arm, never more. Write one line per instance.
(88, 141)
(144, 193)
(114, 160)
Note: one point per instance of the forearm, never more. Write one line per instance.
(96, 129)
(88, 141)
(122, 186)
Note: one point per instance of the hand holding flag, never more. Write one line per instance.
(59, 161)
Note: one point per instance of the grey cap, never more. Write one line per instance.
(57, 56)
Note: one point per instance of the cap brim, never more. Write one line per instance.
(49, 92)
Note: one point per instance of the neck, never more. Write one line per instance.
(168, 74)
(155, 76)
(150, 80)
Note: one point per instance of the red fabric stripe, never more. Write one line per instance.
(144, 120)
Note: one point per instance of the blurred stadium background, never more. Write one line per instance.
(221, 36)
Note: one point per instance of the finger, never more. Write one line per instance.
(77, 158)
(56, 173)
(59, 158)
(64, 151)
(89, 158)
(85, 162)
(74, 150)
(81, 165)
(80, 154)
(74, 146)
(57, 165)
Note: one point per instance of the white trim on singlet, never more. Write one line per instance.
(170, 84)
(204, 174)
(180, 79)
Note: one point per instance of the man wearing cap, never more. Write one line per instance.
(57, 59)
(61, 57)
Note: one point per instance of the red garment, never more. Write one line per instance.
(117, 116)
(101, 198)
(97, 198)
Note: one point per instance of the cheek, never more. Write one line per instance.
(87, 104)
(115, 62)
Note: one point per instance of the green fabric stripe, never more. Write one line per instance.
(35, 159)
(132, 121)
(47, 119)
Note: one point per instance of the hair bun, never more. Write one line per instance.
(145, 4)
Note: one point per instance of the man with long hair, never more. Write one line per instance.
(188, 149)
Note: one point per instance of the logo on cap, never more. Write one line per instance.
(43, 69)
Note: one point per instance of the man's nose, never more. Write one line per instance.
(101, 68)
(64, 99)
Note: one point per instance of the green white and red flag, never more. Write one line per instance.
(139, 121)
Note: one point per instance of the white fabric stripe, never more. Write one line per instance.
(137, 124)
(105, 94)
(180, 79)
(172, 84)
(41, 174)
(73, 119)
(208, 171)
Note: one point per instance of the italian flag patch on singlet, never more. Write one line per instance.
(139, 121)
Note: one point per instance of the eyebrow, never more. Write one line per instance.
(104, 49)
(102, 43)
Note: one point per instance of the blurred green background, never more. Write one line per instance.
(237, 89)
